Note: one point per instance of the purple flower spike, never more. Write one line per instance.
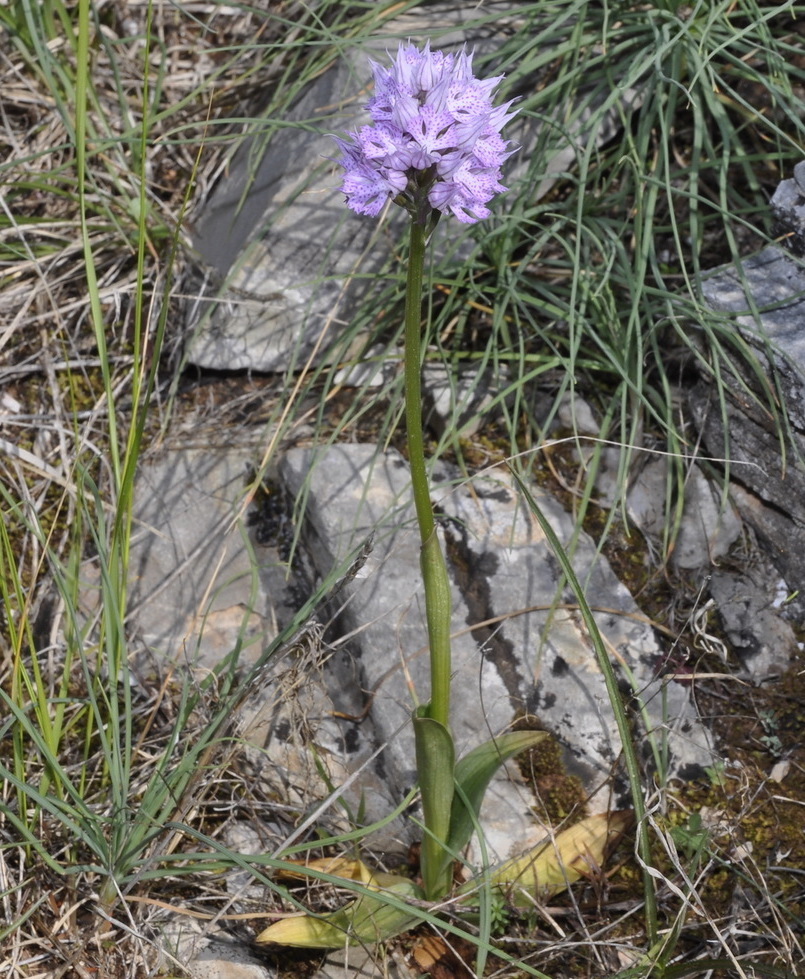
(435, 141)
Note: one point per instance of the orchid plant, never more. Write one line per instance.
(434, 148)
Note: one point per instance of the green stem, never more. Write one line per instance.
(434, 569)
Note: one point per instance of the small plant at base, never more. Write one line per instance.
(692, 839)
(770, 738)
(499, 917)
(716, 773)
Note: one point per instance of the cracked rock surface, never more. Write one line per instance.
(506, 662)
(767, 472)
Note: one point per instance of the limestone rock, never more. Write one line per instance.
(748, 604)
(204, 951)
(788, 205)
(278, 249)
(297, 746)
(361, 963)
(201, 582)
(541, 645)
(228, 960)
(355, 496)
(768, 294)
(459, 404)
(709, 525)
(519, 645)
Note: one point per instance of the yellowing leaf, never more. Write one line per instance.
(366, 920)
(343, 867)
(546, 870)
(551, 866)
(305, 931)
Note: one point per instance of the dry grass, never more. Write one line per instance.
(53, 408)
(208, 70)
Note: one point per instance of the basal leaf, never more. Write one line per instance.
(435, 758)
(473, 774)
(364, 921)
(550, 867)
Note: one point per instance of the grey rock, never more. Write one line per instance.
(747, 603)
(248, 839)
(228, 960)
(768, 294)
(709, 525)
(354, 495)
(374, 369)
(204, 951)
(299, 749)
(459, 404)
(518, 647)
(788, 205)
(202, 584)
(361, 963)
(574, 414)
(205, 587)
(546, 656)
(179, 938)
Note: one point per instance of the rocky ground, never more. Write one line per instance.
(708, 650)
(245, 513)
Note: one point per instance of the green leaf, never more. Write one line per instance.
(473, 774)
(435, 759)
